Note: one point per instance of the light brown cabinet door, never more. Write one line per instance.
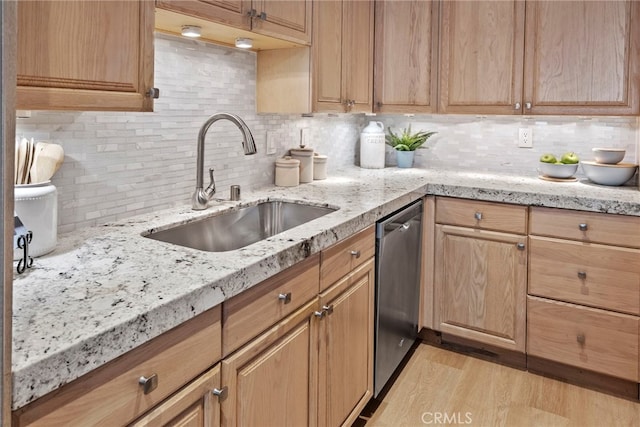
(289, 20)
(342, 56)
(406, 56)
(480, 285)
(269, 381)
(228, 12)
(481, 60)
(193, 406)
(583, 57)
(85, 55)
(345, 376)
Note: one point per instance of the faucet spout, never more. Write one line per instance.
(202, 196)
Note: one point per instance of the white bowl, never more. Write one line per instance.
(557, 170)
(609, 174)
(609, 156)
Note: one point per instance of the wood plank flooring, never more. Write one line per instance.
(440, 387)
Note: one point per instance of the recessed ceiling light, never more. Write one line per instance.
(191, 31)
(244, 43)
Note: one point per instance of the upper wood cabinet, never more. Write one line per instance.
(288, 20)
(481, 60)
(578, 57)
(76, 55)
(406, 56)
(342, 56)
(582, 57)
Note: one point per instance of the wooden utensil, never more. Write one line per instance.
(22, 148)
(49, 158)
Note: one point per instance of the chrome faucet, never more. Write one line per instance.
(202, 196)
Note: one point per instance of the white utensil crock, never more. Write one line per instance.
(37, 207)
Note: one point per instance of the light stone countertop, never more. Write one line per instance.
(106, 290)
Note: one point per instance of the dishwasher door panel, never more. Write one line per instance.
(398, 248)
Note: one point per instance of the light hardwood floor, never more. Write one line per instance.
(440, 387)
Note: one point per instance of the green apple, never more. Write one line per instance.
(569, 158)
(548, 158)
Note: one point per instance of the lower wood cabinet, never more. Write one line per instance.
(112, 395)
(480, 283)
(271, 381)
(196, 405)
(345, 380)
(597, 340)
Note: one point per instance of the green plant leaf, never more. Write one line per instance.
(407, 141)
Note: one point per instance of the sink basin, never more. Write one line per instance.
(238, 228)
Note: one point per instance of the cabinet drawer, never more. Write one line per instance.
(259, 308)
(346, 255)
(600, 276)
(588, 338)
(594, 227)
(484, 215)
(111, 395)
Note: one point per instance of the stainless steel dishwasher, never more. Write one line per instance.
(398, 249)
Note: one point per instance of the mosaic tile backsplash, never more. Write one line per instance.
(122, 164)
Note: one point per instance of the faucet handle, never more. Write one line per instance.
(211, 189)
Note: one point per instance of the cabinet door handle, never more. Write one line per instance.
(478, 216)
(328, 309)
(517, 106)
(149, 383)
(527, 106)
(153, 93)
(520, 246)
(263, 16)
(355, 254)
(582, 274)
(581, 339)
(221, 393)
(285, 298)
(583, 226)
(320, 314)
(252, 13)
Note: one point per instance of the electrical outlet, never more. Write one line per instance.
(525, 138)
(271, 142)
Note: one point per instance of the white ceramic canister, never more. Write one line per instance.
(287, 172)
(319, 166)
(372, 149)
(305, 155)
(37, 207)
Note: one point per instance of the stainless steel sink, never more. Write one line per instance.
(238, 228)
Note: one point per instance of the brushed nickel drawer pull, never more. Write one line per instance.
(582, 275)
(517, 106)
(583, 226)
(320, 314)
(355, 254)
(221, 393)
(285, 298)
(581, 339)
(520, 246)
(148, 383)
(478, 216)
(527, 105)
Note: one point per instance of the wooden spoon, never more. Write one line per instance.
(49, 158)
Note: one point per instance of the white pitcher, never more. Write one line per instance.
(372, 149)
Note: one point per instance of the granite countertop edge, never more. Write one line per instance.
(106, 290)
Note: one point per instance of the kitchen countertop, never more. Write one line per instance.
(106, 290)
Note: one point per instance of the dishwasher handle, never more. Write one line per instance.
(401, 221)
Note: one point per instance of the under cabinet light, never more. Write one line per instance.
(191, 31)
(244, 43)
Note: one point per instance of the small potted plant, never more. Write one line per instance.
(405, 144)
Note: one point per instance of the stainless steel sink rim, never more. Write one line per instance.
(240, 226)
